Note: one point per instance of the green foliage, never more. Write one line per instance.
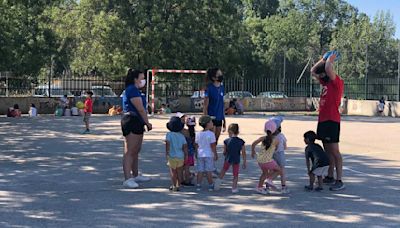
(246, 38)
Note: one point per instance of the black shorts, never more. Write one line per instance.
(131, 124)
(217, 123)
(328, 131)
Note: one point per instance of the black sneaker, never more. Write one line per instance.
(308, 188)
(329, 180)
(337, 186)
(318, 189)
(187, 184)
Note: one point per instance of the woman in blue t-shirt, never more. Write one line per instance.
(214, 100)
(133, 121)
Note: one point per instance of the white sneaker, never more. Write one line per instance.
(235, 190)
(262, 191)
(130, 183)
(270, 184)
(217, 184)
(141, 178)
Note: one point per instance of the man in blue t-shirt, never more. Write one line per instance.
(214, 100)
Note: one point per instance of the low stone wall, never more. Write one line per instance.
(370, 108)
(187, 104)
(47, 105)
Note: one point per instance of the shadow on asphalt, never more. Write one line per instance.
(50, 175)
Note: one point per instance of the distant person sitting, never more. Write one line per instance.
(14, 111)
(231, 110)
(165, 109)
(239, 107)
(113, 111)
(381, 105)
(32, 111)
(74, 111)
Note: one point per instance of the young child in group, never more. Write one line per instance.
(190, 135)
(206, 152)
(88, 111)
(319, 160)
(32, 111)
(268, 166)
(233, 146)
(279, 155)
(176, 151)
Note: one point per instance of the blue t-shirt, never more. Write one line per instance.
(176, 141)
(233, 147)
(216, 101)
(130, 92)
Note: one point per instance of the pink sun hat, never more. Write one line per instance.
(270, 126)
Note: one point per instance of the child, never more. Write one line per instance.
(32, 111)
(14, 111)
(190, 136)
(319, 160)
(268, 166)
(176, 151)
(279, 155)
(88, 111)
(206, 152)
(232, 148)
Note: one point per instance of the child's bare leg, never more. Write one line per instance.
(200, 178)
(262, 178)
(283, 176)
(173, 176)
(187, 174)
(179, 172)
(209, 178)
(312, 179)
(222, 174)
(319, 181)
(274, 173)
(235, 182)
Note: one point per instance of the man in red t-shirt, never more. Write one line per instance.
(88, 111)
(329, 117)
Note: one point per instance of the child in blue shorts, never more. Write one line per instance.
(206, 144)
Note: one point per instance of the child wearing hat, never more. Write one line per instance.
(176, 151)
(269, 168)
(206, 152)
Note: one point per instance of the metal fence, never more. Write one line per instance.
(373, 89)
(170, 86)
(11, 86)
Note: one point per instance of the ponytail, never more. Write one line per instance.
(268, 140)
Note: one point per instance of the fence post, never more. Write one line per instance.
(366, 72)
(51, 73)
(284, 70)
(398, 73)
(7, 93)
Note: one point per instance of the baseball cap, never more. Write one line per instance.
(205, 120)
(270, 126)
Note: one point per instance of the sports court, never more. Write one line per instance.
(53, 176)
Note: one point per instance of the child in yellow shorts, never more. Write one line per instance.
(176, 151)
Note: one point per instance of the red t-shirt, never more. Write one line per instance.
(329, 103)
(88, 105)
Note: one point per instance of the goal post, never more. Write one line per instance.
(153, 73)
